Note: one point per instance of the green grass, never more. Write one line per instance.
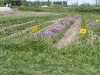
(56, 9)
(34, 57)
(40, 57)
(96, 30)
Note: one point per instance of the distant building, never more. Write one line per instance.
(44, 6)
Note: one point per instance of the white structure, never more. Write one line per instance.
(7, 5)
(5, 9)
(44, 6)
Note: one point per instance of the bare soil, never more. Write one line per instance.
(70, 35)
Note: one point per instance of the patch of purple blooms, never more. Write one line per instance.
(57, 28)
(48, 32)
(38, 34)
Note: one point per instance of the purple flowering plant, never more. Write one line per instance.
(57, 28)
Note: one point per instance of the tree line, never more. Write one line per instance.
(37, 2)
(29, 3)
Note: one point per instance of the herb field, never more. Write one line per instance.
(24, 52)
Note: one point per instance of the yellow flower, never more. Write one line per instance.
(34, 28)
(82, 31)
(97, 20)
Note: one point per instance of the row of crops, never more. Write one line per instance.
(52, 34)
(10, 27)
(37, 56)
(92, 36)
(6, 21)
(87, 9)
(48, 9)
(82, 8)
(56, 32)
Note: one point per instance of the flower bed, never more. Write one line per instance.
(56, 30)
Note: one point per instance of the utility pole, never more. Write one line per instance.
(83, 2)
(67, 1)
(96, 2)
(48, 2)
(77, 2)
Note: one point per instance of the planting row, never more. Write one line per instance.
(17, 29)
(95, 26)
(92, 28)
(6, 21)
(87, 9)
(56, 31)
(9, 31)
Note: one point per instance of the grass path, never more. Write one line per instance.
(70, 35)
(15, 25)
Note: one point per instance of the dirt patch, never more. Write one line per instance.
(70, 35)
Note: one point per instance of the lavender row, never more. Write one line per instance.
(57, 28)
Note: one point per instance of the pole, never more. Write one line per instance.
(83, 2)
(48, 2)
(96, 2)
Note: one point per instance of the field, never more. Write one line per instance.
(56, 48)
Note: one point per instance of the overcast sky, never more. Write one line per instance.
(71, 1)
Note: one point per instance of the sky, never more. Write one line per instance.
(71, 1)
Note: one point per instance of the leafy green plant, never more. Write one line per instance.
(84, 8)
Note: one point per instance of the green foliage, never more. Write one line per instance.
(16, 2)
(36, 45)
(57, 2)
(37, 9)
(83, 21)
(38, 57)
(6, 21)
(53, 8)
(1, 3)
(96, 30)
(84, 8)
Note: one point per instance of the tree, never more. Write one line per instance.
(64, 3)
(24, 2)
(45, 3)
(57, 2)
(30, 3)
(14, 2)
(1, 3)
(37, 3)
(48, 2)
